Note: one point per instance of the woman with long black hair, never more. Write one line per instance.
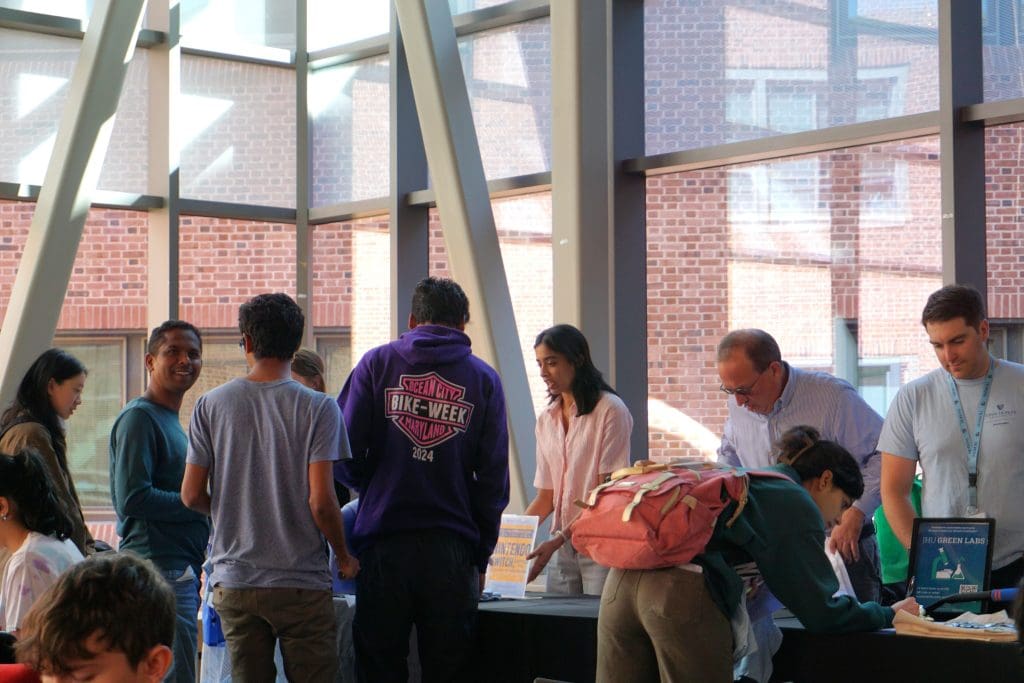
(49, 393)
(582, 437)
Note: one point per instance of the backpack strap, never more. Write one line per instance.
(643, 491)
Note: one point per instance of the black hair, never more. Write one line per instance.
(803, 449)
(954, 301)
(760, 347)
(274, 323)
(439, 301)
(157, 336)
(118, 596)
(587, 382)
(25, 483)
(32, 402)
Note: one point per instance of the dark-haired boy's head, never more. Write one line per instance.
(110, 617)
(439, 301)
(274, 324)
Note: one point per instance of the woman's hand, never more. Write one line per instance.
(541, 555)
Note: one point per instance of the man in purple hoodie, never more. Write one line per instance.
(426, 421)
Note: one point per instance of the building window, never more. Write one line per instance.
(88, 431)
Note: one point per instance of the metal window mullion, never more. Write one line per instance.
(961, 144)
(628, 369)
(164, 168)
(303, 175)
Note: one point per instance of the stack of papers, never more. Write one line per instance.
(996, 627)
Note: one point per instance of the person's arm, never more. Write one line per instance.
(856, 427)
(356, 403)
(489, 489)
(133, 448)
(727, 454)
(323, 505)
(897, 482)
(543, 505)
(797, 571)
(615, 431)
(194, 491)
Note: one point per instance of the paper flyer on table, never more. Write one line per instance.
(508, 567)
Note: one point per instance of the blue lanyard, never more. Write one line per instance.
(973, 445)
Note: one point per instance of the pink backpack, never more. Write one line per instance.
(653, 516)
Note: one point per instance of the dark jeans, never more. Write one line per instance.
(424, 578)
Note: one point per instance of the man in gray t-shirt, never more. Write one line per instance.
(925, 426)
(266, 445)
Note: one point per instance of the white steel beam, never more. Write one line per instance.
(164, 83)
(580, 163)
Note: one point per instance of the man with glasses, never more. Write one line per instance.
(770, 397)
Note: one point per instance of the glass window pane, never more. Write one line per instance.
(74, 9)
(332, 23)
(352, 283)
(719, 72)
(238, 25)
(33, 91)
(803, 248)
(524, 236)
(108, 285)
(1004, 194)
(237, 132)
(1002, 51)
(15, 219)
(337, 355)
(508, 76)
(350, 108)
(88, 430)
(225, 262)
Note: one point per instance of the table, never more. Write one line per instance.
(556, 637)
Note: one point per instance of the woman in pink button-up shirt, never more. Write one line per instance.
(582, 437)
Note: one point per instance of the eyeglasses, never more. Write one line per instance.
(743, 391)
(241, 343)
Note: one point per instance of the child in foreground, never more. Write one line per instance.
(109, 618)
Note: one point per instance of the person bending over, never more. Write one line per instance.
(674, 622)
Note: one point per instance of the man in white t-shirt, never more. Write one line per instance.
(970, 466)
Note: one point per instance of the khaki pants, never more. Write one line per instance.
(302, 619)
(661, 624)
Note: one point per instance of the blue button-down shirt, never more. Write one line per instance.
(830, 405)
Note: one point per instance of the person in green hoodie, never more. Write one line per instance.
(674, 623)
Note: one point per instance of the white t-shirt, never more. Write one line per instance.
(30, 571)
(922, 424)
